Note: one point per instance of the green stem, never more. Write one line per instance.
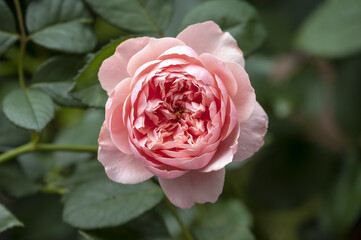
(65, 147)
(17, 151)
(33, 146)
(179, 220)
(23, 40)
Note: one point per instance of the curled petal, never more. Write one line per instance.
(120, 167)
(225, 151)
(220, 69)
(207, 37)
(245, 97)
(151, 52)
(160, 170)
(115, 108)
(193, 187)
(114, 69)
(252, 134)
(184, 52)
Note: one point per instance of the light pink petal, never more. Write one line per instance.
(118, 166)
(207, 37)
(114, 69)
(114, 116)
(220, 69)
(200, 73)
(184, 52)
(151, 52)
(245, 98)
(160, 170)
(226, 149)
(252, 134)
(231, 119)
(193, 187)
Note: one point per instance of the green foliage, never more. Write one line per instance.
(348, 98)
(238, 18)
(332, 30)
(226, 220)
(7, 220)
(103, 203)
(40, 224)
(29, 109)
(55, 78)
(303, 184)
(15, 183)
(60, 25)
(85, 132)
(10, 135)
(87, 88)
(7, 28)
(135, 15)
(342, 210)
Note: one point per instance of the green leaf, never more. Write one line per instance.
(149, 226)
(341, 207)
(103, 203)
(35, 165)
(135, 15)
(225, 220)
(60, 25)
(42, 217)
(30, 109)
(332, 30)
(87, 88)
(7, 220)
(7, 28)
(10, 135)
(84, 172)
(238, 18)
(347, 98)
(86, 132)
(15, 183)
(55, 78)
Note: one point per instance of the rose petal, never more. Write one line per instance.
(114, 68)
(207, 37)
(226, 149)
(183, 52)
(252, 134)
(193, 187)
(118, 166)
(151, 52)
(114, 116)
(245, 98)
(160, 170)
(220, 69)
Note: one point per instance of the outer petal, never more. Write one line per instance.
(163, 171)
(252, 134)
(120, 167)
(151, 52)
(224, 155)
(207, 37)
(219, 68)
(245, 98)
(193, 187)
(114, 69)
(114, 111)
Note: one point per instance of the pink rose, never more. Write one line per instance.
(179, 108)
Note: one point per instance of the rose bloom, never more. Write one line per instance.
(180, 109)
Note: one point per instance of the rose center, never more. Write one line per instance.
(178, 113)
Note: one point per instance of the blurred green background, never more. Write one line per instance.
(304, 184)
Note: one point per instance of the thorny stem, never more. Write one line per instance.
(179, 220)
